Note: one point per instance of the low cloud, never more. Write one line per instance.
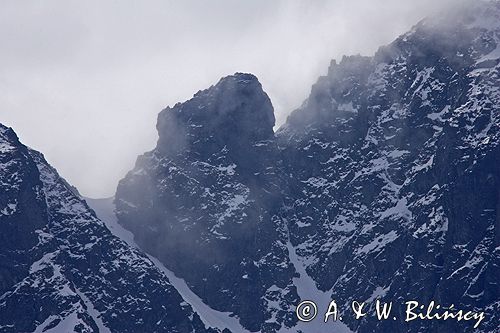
(84, 81)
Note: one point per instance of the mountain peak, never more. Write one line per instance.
(236, 109)
(7, 134)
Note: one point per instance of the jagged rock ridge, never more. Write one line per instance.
(205, 202)
(385, 182)
(394, 176)
(62, 270)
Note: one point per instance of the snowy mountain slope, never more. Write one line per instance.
(384, 184)
(205, 201)
(394, 176)
(105, 210)
(62, 270)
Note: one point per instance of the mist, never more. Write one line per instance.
(83, 81)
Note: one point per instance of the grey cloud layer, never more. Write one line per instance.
(84, 81)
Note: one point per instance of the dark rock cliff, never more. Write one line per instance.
(62, 269)
(205, 202)
(385, 182)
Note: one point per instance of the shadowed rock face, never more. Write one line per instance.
(206, 200)
(234, 113)
(386, 183)
(60, 266)
(394, 178)
(18, 201)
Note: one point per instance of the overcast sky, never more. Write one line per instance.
(83, 81)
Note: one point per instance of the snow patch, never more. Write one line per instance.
(378, 243)
(308, 290)
(96, 315)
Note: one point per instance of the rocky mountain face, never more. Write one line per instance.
(62, 270)
(206, 203)
(394, 172)
(384, 184)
